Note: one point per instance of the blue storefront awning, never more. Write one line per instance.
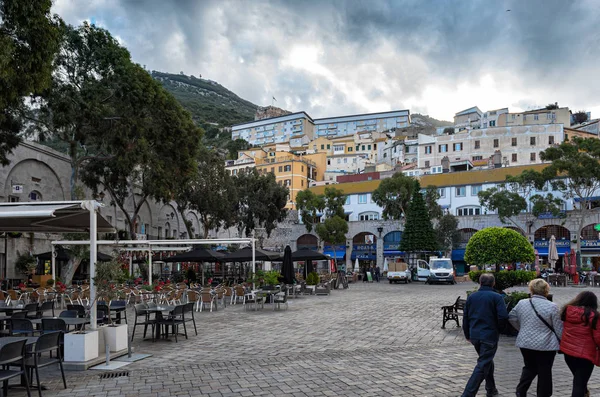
(364, 255)
(339, 254)
(458, 255)
(393, 253)
(543, 251)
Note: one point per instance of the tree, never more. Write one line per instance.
(334, 200)
(431, 196)
(580, 117)
(29, 39)
(393, 195)
(90, 88)
(510, 199)
(575, 171)
(233, 147)
(309, 205)
(447, 232)
(449, 130)
(418, 232)
(261, 201)
(333, 231)
(552, 106)
(145, 162)
(210, 191)
(498, 246)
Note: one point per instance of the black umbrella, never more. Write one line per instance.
(198, 255)
(63, 255)
(245, 255)
(287, 269)
(307, 255)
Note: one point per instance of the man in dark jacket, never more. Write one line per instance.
(484, 316)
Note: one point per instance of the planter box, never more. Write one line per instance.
(41, 279)
(116, 337)
(80, 347)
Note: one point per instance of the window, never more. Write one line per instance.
(384, 155)
(427, 163)
(363, 147)
(272, 170)
(458, 147)
(532, 140)
(461, 191)
(512, 116)
(357, 148)
(532, 156)
(427, 149)
(347, 200)
(280, 168)
(328, 146)
(436, 170)
(551, 140)
(368, 216)
(302, 182)
(328, 161)
(375, 146)
(350, 149)
(492, 123)
(475, 189)
(496, 143)
(339, 161)
(442, 192)
(475, 158)
(514, 158)
(362, 199)
(477, 144)
(35, 196)
(338, 148)
(442, 148)
(513, 142)
(524, 117)
(368, 147)
(302, 168)
(322, 147)
(536, 116)
(345, 160)
(468, 211)
(287, 182)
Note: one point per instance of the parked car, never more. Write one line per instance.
(397, 272)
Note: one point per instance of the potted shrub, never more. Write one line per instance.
(312, 278)
(26, 263)
(270, 279)
(107, 274)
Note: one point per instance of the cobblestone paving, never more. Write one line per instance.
(370, 340)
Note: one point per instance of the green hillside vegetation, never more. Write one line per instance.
(212, 106)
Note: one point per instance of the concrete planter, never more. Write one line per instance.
(116, 337)
(81, 347)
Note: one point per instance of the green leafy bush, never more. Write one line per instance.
(312, 279)
(271, 277)
(506, 278)
(25, 263)
(513, 298)
(497, 246)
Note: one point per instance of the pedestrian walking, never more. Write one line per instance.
(540, 328)
(365, 276)
(484, 316)
(581, 339)
(377, 273)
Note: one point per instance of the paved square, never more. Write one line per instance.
(370, 340)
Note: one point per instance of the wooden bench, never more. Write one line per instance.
(453, 312)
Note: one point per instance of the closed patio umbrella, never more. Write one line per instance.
(356, 266)
(385, 265)
(287, 268)
(245, 255)
(552, 252)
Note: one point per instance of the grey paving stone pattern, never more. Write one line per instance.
(369, 340)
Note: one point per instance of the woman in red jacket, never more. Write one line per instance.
(580, 339)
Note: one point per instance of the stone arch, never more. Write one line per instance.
(168, 214)
(193, 218)
(589, 233)
(392, 240)
(516, 229)
(34, 175)
(361, 238)
(466, 234)
(309, 241)
(558, 231)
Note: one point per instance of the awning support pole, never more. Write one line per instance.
(93, 256)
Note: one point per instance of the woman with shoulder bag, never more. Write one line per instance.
(581, 338)
(540, 329)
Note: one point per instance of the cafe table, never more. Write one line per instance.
(160, 309)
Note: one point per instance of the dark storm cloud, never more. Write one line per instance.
(370, 53)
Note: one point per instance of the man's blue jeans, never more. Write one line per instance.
(483, 370)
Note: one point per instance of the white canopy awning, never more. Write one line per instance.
(47, 217)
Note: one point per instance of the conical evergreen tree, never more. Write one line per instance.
(419, 234)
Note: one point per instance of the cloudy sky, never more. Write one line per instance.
(339, 57)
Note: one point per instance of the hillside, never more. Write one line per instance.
(212, 106)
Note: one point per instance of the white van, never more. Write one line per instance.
(441, 270)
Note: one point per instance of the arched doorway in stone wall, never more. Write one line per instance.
(541, 242)
(307, 241)
(364, 248)
(391, 244)
(590, 247)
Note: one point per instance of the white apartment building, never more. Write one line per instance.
(275, 130)
(360, 123)
(344, 164)
(490, 118)
(519, 145)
